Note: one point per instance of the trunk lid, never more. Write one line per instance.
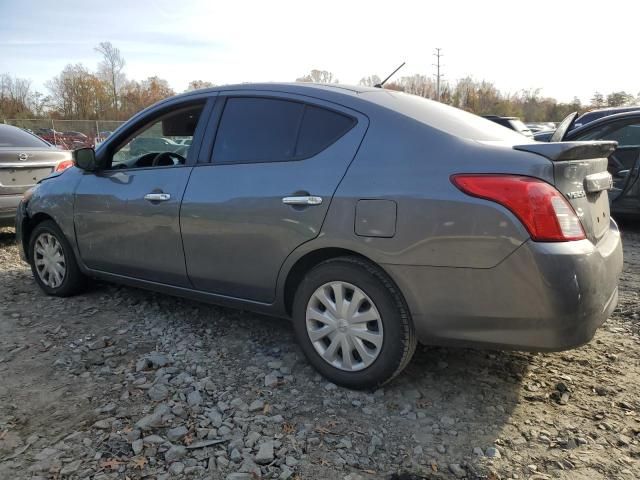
(21, 168)
(580, 173)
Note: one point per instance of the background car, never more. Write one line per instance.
(24, 160)
(514, 123)
(344, 209)
(539, 127)
(77, 139)
(592, 115)
(623, 164)
(147, 144)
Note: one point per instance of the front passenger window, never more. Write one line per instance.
(164, 142)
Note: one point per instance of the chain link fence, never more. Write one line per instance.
(67, 134)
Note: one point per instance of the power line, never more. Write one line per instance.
(438, 75)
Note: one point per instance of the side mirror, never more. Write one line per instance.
(85, 159)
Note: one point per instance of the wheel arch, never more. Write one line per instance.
(28, 225)
(309, 260)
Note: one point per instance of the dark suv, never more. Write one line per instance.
(592, 115)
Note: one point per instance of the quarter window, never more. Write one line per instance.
(320, 128)
(254, 130)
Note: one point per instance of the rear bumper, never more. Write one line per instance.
(543, 297)
(8, 208)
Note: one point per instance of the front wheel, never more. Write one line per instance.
(353, 324)
(52, 261)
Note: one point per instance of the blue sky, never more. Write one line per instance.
(566, 48)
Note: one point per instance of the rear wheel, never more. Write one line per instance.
(52, 261)
(353, 324)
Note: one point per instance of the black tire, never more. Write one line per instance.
(399, 339)
(73, 281)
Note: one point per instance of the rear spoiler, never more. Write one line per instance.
(557, 152)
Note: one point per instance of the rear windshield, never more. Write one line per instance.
(18, 138)
(448, 119)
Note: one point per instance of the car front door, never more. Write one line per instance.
(624, 163)
(127, 215)
(276, 163)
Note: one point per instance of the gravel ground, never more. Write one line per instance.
(120, 383)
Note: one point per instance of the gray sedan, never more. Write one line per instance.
(373, 219)
(24, 160)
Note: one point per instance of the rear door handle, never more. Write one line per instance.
(157, 197)
(302, 200)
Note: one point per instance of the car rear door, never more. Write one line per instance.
(277, 161)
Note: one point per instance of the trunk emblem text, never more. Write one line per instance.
(576, 194)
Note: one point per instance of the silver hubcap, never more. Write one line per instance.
(344, 326)
(49, 260)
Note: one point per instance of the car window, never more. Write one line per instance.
(626, 135)
(13, 137)
(320, 128)
(257, 130)
(160, 143)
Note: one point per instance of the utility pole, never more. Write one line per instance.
(437, 75)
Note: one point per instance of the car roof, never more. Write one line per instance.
(287, 86)
(604, 120)
(365, 100)
(608, 109)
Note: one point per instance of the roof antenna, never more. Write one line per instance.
(379, 85)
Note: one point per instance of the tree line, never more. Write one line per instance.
(107, 94)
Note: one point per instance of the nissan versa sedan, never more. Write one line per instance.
(373, 219)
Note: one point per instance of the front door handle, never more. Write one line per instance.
(302, 200)
(157, 197)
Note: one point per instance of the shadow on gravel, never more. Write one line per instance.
(7, 237)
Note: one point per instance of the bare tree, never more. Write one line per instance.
(79, 94)
(110, 69)
(370, 81)
(318, 76)
(198, 84)
(15, 95)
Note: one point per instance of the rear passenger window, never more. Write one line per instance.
(320, 128)
(254, 130)
(257, 130)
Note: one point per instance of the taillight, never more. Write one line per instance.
(63, 165)
(542, 209)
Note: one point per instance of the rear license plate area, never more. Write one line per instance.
(22, 177)
(599, 212)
